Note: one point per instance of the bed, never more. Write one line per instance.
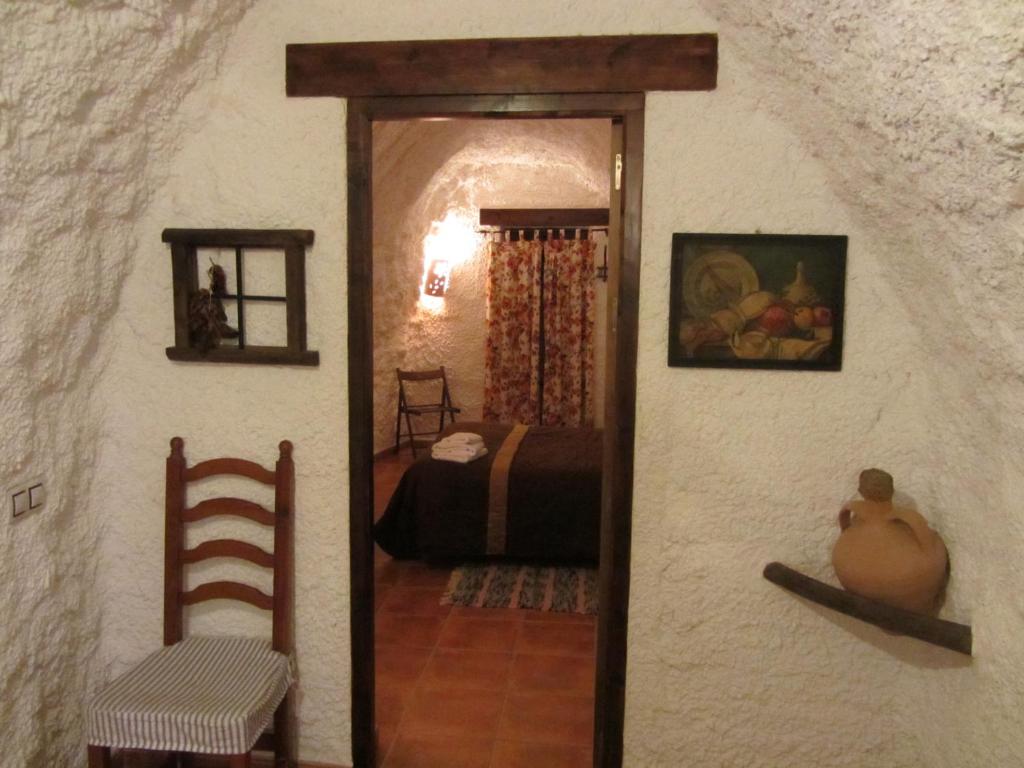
(546, 507)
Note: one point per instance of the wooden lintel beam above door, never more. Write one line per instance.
(610, 64)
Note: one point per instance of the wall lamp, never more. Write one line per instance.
(436, 282)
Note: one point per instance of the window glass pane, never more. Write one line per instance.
(264, 272)
(266, 324)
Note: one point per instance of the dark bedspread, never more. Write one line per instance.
(439, 509)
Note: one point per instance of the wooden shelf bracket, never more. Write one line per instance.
(947, 634)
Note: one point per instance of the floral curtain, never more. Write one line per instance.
(511, 378)
(567, 394)
(539, 362)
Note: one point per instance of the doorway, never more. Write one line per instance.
(627, 111)
(489, 253)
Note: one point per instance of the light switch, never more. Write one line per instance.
(19, 503)
(36, 496)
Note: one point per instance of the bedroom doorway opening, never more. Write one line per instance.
(625, 113)
(490, 310)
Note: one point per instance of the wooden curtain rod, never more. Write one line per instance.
(541, 233)
(543, 218)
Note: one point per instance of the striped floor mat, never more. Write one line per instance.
(569, 590)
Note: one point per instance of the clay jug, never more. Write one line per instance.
(889, 553)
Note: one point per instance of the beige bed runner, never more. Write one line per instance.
(497, 498)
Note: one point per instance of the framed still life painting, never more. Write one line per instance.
(757, 301)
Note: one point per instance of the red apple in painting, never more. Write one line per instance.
(776, 321)
(822, 316)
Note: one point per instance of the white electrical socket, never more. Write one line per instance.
(19, 503)
(27, 496)
(36, 495)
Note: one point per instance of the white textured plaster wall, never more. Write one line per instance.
(253, 159)
(88, 93)
(898, 123)
(916, 111)
(423, 170)
(722, 664)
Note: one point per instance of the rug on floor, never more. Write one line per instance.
(540, 588)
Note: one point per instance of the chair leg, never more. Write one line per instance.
(398, 428)
(284, 734)
(412, 440)
(240, 761)
(99, 757)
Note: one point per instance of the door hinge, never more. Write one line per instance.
(618, 171)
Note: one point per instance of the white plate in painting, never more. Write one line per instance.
(716, 280)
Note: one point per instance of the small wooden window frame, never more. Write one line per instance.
(185, 244)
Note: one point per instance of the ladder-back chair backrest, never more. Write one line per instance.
(281, 561)
(437, 374)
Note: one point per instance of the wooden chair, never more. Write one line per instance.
(443, 406)
(211, 695)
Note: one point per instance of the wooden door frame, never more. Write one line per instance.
(620, 400)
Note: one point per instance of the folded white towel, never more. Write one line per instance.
(468, 450)
(462, 438)
(461, 456)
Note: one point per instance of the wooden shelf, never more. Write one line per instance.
(947, 634)
(239, 238)
(250, 355)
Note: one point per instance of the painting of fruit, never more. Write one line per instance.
(757, 301)
(803, 318)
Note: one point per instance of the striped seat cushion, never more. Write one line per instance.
(211, 695)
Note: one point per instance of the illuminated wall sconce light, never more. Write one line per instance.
(436, 282)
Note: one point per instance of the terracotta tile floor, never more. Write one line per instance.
(475, 688)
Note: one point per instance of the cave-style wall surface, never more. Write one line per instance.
(87, 91)
(916, 110)
(898, 123)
